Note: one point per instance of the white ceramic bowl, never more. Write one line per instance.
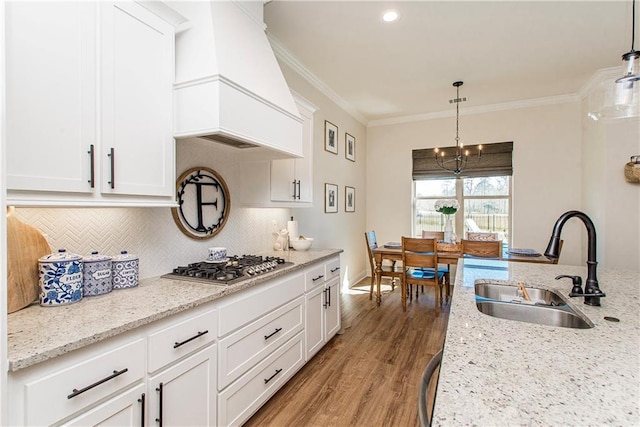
(302, 245)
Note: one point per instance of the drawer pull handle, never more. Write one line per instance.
(92, 171)
(318, 278)
(333, 270)
(142, 400)
(76, 392)
(266, 337)
(159, 419)
(198, 335)
(273, 376)
(294, 189)
(298, 190)
(112, 154)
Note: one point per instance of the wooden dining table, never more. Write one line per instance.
(448, 253)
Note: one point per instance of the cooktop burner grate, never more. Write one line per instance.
(232, 270)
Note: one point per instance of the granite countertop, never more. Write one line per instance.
(502, 372)
(36, 334)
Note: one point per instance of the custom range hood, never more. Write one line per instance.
(229, 87)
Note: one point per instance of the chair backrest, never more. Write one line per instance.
(418, 252)
(485, 236)
(370, 238)
(425, 408)
(483, 249)
(438, 235)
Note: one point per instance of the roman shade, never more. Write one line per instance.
(496, 161)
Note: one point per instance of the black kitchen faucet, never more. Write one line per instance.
(592, 292)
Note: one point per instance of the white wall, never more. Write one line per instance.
(547, 161)
(614, 202)
(151, 233)
(335, 230)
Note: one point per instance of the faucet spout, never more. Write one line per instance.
(591, 285)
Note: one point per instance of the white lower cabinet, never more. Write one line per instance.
(245, 396)
(215, 364)
(127, 409)
(185, 393)
(322, 286)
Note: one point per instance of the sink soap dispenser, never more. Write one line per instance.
(576, 291)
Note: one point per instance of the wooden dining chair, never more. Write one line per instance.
(482, 235)
(481, 249)
(393, 272)
(443, 268)
(420, 262)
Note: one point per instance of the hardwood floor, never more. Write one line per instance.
(369, 374)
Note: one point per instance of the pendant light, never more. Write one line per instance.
(619, 98)
(631, 59)
(458, 161)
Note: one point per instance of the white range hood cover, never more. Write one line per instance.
(229, 87)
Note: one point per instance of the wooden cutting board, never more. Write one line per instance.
(25, 245)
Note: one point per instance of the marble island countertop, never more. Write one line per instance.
(498, 372)
(36, 334)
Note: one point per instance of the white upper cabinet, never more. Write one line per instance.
(89, 104)
(282, 182)
(292, 179)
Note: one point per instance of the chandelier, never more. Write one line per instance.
(458, 162)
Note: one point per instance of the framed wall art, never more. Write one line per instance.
(350, 147)
(330, 137)
(330, 198)
(349, 199)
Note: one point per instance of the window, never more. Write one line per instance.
(485, 205)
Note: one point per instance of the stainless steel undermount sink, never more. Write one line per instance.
(545, 308)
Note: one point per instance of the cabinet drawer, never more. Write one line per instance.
(47, 399)
(332, 269)
(246, 347)
(313, 277)
(238, 310)
(243, 398)
(180, 339)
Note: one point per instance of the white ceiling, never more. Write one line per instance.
(504, 51)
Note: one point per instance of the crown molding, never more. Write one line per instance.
(288, 58)
(481, 109)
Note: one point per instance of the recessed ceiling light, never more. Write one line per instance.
(390, 16)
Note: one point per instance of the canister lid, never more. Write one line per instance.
(61, 255)
(95, 257)
(124, 256)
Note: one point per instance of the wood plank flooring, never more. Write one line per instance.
(369, 374)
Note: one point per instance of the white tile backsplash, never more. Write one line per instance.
(151, 233)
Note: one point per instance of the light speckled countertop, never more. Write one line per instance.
(36, 334)
(499, 372)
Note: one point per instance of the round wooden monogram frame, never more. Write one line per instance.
(203, 203)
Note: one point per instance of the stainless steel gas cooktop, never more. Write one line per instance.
(228, 271)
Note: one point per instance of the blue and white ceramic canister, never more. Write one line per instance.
(97, 274)
(125, 270)
(60, 278)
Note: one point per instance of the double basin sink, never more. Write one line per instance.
(544, 307)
